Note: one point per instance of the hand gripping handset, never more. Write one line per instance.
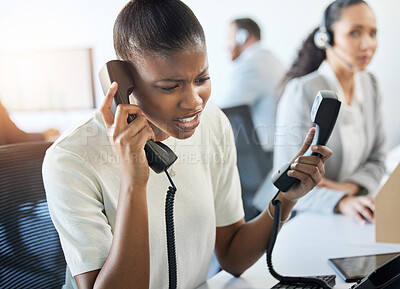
(159, 156)
(324, 113)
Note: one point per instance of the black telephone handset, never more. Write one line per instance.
(324, 113)
(159, 156)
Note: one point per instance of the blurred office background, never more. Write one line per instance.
(80, 33)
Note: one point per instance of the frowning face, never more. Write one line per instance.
(173, 91)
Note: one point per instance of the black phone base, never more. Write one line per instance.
(291, 282)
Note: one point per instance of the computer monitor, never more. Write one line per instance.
(253, 162)
(59, 79)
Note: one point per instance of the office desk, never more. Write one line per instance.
(303, 247)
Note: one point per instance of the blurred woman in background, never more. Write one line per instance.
(335, 57)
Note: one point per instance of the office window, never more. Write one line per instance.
(47, 80)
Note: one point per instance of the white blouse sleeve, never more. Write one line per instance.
(77, 210)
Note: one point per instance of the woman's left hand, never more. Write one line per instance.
(308, 169)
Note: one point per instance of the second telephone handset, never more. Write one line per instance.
(324, 113)
(159, 156)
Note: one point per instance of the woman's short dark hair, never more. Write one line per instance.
(309, 57)
(250, 25)
(156, 27)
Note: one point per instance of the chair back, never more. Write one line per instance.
(252, 161)
(30, 251)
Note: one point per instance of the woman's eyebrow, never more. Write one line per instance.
(171, 80)
(361, 26)
(181, 80)
(204, 71)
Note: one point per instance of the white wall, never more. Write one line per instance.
(48, 24)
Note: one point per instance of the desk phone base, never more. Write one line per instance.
(330, 279)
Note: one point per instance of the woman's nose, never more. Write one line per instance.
(191, 98)
(367, 42)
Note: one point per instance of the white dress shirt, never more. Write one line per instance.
(255, 75)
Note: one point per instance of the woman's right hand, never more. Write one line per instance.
(127, 140)
(358, 207)
(348, 187)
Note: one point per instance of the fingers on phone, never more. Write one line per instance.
(308, 140)
(121, 116)
(145, 134)
(127, 133)
(108, 116)
(309, 137)
(305, 178)
(312, 160)
(311, 171)
(139, 125)
(323, 151)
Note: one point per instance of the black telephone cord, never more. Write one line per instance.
(169, 224)
(275, 229)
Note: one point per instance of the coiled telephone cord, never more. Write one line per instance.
(170, 230)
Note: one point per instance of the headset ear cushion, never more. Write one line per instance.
(241, 36)
(321, 38)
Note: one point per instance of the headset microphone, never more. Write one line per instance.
(349, 66)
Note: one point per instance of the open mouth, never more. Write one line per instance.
(188, 123)
(364, 59)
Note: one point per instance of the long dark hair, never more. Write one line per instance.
(309, 57)
(156, 26)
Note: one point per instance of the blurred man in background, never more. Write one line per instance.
(254, 79)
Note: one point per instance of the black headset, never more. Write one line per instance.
(322, 38)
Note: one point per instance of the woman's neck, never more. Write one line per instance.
(345, 77)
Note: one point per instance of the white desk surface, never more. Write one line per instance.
(303, 247)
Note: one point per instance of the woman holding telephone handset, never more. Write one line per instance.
(335, 57)
(108, 206)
